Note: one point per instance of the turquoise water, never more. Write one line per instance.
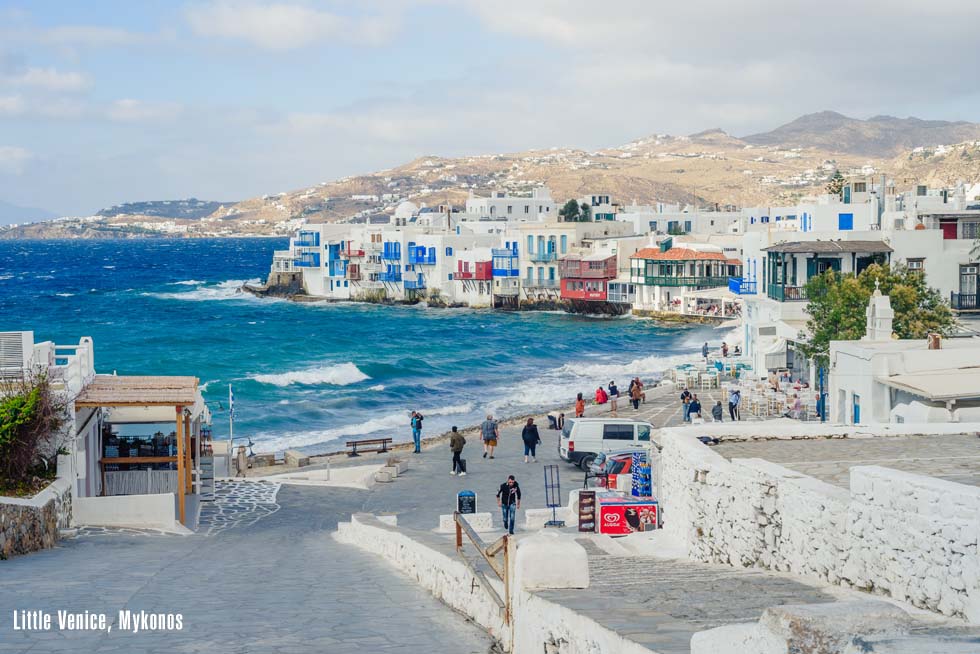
(307, 375)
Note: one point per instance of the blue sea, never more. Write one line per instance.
(306, 376)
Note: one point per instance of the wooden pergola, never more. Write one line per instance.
(107, 391)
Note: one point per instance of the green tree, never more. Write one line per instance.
(836, 183)
(570, 212)
(586, 215)
(676, 230)
(838, 303)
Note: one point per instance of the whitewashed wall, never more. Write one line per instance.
(909, 536)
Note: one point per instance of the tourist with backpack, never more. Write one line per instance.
(456, 443)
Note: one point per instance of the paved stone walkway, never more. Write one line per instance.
(237, 503)
(660, 604)
(280, 584)
(953, 457)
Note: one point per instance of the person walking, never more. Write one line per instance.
(704, 351)
(639, 385)
(456, 443)
(490, 433)
(734, 397)
(717, 413)
(686, 404)
(579, 406)
(561, 421)
(694, 408)
(531, 439)
(613, 398)
(636, 395)
(509, 501)
(416, 423)
(724, 349)
(241, 462)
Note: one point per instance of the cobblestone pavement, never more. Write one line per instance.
(952, 457)
(237, 503)
(280, 584)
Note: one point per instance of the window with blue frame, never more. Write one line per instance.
(450, 277)
(530, 244)
(845, 221)
(687, 226)
(564, 243)
(449, 252)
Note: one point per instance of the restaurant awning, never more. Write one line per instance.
(943, 385)
(113, 390)
(830, 247)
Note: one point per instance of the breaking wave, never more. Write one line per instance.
(230, 289)
(341, 374)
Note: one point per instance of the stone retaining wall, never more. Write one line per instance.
(29, 525)
(909, 536)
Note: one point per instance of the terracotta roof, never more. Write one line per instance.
(677, 254)
(733, 262)
(110, 390)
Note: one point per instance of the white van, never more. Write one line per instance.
(583, 438)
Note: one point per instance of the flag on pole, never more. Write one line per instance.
(231, 402)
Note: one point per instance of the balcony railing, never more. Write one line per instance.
(533, 282)
(390, 277)
(422, 259)
(963, 301)
(543, 257)
(739, 286)
(344, 252)
(414, 284)
(651, 280)
(353, 274)
(782, 293)
(304, 243)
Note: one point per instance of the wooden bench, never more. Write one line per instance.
(368, 445)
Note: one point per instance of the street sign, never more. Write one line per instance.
(466, 501)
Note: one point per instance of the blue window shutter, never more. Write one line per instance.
(845, 221)
(450, 277)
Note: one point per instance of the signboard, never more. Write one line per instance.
(621, 518)
(466, 501)
(586, 511)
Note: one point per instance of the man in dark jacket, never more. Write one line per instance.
(694, 408)
(456, 443)
(531, 439)
(509, 501)
(686, 404)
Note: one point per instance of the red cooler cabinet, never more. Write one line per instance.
(619, 514)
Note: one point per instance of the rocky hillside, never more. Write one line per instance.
(880, 136)
(710, 168)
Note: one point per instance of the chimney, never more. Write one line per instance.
(935, 342)
(879, 315)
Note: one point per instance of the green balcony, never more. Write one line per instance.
(782, 293)
(708, 282)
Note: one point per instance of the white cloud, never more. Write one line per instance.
(139, 111)
(13, 159)
(11, 105)
(48, 79)
(92, 36)
(282, 26)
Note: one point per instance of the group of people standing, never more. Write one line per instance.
(691, 406)
(611, 394)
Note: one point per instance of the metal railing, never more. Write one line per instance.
(782, 293)
(663, 280)
(542, 257)
(963, 301)
(739, 286)
(532, 282)
(490, 553)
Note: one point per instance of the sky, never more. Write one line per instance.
(105, 102)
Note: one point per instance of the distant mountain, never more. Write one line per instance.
(190, 209)
(879, 136)
(11, 214)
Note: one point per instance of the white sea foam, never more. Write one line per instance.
(65, 294)
(3, 277)
(377, 387)
(341, 374)
(275, 442)
(227, 290)
(187, 282)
